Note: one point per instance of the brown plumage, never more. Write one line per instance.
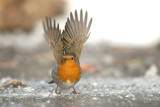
(73, 37)
(76, 33)
(54, 38)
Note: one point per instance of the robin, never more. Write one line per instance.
(67, 47)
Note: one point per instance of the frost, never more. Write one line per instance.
(95, 84)
(130, 95)
(94, 98)
(94, 92)
(48, 101)
(120, 97)
(28, 89)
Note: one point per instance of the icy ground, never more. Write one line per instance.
(93, 91)
(114, 76)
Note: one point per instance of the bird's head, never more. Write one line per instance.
(67, 58)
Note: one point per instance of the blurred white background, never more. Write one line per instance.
(122, 22)
(117, 22)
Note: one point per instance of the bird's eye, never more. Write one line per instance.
(72, 58)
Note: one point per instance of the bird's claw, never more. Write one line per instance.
(57, 92)
(74, 92)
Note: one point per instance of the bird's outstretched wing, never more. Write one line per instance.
(76, 33)
(54, 38)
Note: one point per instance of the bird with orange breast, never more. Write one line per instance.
(67, 47)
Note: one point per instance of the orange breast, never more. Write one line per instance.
(69, 70)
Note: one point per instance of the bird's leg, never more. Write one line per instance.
(56, 91)
(74, 91)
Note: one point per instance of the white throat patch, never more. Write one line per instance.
(69, 83)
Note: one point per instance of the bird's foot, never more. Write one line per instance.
(74, 91)
(57, 92)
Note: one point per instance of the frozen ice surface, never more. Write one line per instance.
(93, 91)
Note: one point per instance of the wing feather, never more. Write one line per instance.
(76, 33)
(54, 38)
